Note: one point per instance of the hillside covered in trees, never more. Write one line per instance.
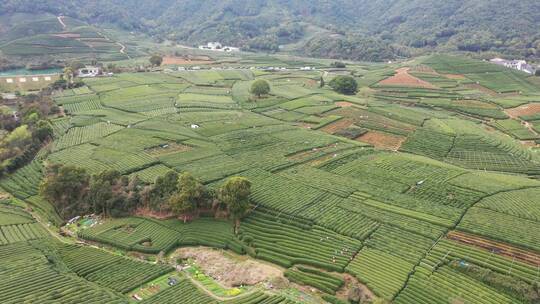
(352, 29)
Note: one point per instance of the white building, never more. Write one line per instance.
(89, 71)
(211, 46)
(216, 46)
(520, 65)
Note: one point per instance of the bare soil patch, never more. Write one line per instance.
(344, 104)
(455, 76)
(403, 78)
(499, 248)
(339, 125)
(168, 149)
(185, 60)
(529, 143)
(230, 270)
(382, 140)
(528, 109)
(350, 282)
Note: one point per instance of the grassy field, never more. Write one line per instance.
(328, 202)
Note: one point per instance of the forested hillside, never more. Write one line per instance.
(355, 29)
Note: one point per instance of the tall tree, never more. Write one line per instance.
(68, 76)
(64, 187)
(100, 192)
(163, 188)
(235, 194)
(189, 196)
(156, 60)
(260, 87)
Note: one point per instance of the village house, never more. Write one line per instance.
(216, 46)
(89, 71)
(520, 65)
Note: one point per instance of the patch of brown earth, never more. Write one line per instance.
(528, 109)
(344, 104)
(496, 247)
(366, 295)
(382, 140)
(167, 60)
(403, 78)
(168, 149)
(228, 269)
(339, 125)
(455, 76)
(529, 143)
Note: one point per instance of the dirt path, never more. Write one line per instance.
(61, 20)
(122, 48)
(528, 109)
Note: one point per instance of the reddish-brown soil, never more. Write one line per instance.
(344, 104)
(337, 126)
(454, 76)
(382, 140)
(403, 78)
(182, 60)
(528, 109)
(499, 248)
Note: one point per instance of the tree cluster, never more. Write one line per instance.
(23, 132)
(344, 84)
(336, 29)
(74, 192)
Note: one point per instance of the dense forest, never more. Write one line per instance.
(352, 29)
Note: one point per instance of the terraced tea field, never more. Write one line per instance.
(422, 187)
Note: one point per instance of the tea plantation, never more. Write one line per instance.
(421, 194)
